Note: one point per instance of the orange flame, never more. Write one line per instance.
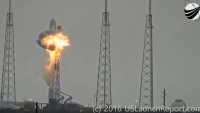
(58, 41)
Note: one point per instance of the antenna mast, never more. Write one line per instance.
(164, 95)
(106, 2)
(149, 7)
(9, 6)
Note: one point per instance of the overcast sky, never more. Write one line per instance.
(175, 40)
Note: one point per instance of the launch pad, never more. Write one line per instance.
(64, 101)
(53, 41)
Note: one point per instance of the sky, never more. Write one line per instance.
(176, 48)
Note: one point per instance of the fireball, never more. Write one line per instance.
(54, 44)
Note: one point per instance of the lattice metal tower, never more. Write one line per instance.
(54, 88)
(103, 95)
(8, 91)
(146, 87)
(57, 75)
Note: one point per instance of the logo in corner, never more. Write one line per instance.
(192, 11)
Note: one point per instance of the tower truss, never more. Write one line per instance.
(57, 76)
(54, 88)
(103, 95)
(146, 87)
(8, 91)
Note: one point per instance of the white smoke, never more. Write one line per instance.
(48, 76)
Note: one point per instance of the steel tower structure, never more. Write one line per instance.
(103, 95)
(57, 75)
(54, 88)
(146, 87)
(8, 91)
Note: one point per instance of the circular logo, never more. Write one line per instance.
(192, 11)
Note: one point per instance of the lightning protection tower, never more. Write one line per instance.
(8, 91)
(103, 95)
(146, 87)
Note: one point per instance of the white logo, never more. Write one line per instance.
(192, 11)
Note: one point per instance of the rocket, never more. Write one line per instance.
(53, 26)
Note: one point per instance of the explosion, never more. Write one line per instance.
(53, 41)
(54, 45)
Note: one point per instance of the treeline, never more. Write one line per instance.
(41, 111)
(67, 111)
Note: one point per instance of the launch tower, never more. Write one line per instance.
(54, 88)
(57, 75)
